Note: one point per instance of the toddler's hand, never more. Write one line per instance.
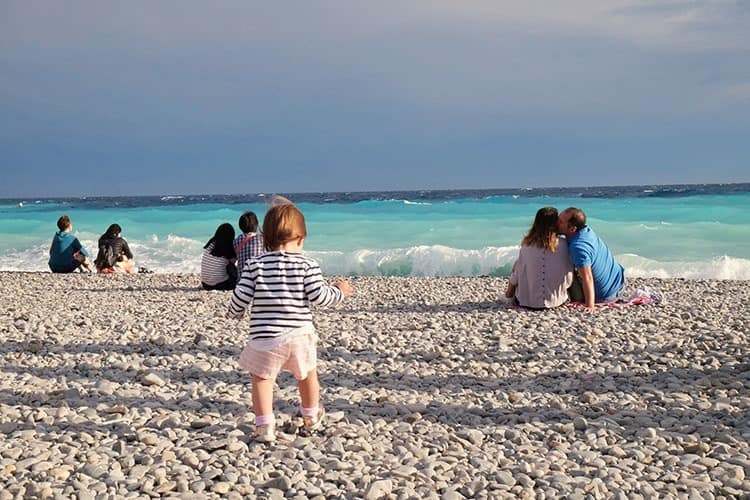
(345, 288)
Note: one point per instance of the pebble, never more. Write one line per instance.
(221, 487)
(152, 379)
(580, 423)
(379, 489)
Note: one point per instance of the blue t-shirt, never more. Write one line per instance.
(587, 249)
(64, 245)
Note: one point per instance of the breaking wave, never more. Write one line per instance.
(176, 254)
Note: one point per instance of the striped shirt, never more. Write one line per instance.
(280, 286)
(213, 268)
(252, 248)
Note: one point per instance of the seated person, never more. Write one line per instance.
(543, 272)
(249, 244)
(114, 254)
(602, 277)
(218, 269)
(66, 254)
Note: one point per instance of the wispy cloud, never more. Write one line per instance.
(738, 91)
(660, 24)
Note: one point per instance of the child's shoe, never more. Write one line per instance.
(314, 423)
(265, 433)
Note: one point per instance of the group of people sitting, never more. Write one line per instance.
(224, 253)
(67, 254)
(561, 259)
(543, 276)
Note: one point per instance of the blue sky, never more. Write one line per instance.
(105, 98)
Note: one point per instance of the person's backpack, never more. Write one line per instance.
(106, 257)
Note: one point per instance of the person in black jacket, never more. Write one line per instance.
(114, 254)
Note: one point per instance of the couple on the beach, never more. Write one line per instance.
(67, 254)
(543, 276)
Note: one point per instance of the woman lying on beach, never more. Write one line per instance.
(543, 272)
(114, 253)
(279, 287)
(66, 254)
(218, 269)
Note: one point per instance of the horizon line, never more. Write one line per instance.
(272, 193)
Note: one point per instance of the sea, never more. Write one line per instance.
(675, 231)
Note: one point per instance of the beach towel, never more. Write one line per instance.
(639, 297)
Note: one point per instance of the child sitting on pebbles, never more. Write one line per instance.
(280, 285)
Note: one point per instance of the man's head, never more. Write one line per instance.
(570, 221)
(249, 222)
(63, 223)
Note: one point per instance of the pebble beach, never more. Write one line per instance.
(129, 387)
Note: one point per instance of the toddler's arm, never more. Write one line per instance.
(346, 288)
(318, 292)
(243, 293)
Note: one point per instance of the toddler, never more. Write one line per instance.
(279, 287)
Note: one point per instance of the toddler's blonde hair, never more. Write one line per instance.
(282, 223)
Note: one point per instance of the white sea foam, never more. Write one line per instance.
(173, 254)
(435, 260)
(724, 267)
(176, 254)
(405, 202)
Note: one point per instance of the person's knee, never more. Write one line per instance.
(310, 377)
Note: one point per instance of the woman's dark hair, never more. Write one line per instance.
(112, 232)
(223, 242)
(543, 233)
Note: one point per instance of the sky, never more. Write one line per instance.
(187, 97)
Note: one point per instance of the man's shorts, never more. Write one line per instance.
(297, 355)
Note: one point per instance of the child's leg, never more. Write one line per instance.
(309, 390)
(262, 396)
(265, 422)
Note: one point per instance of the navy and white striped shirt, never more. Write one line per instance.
(213, 268)
(280, 286)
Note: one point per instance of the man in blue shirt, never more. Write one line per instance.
(601, 276)
(66, 254)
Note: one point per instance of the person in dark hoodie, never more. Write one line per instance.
(114, 254)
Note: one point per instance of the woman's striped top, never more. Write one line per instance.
(213, 268)
(280, 286)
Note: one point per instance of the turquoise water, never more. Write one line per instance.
(703, 235)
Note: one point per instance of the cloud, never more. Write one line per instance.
(657, 24)
(518, 64)
(738, 91)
